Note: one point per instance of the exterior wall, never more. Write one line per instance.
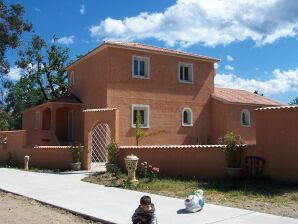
(205, 162)
(277, 142)
(219, 121)
(227, 118)
(90, 81)
(47, 157)
(164, 94)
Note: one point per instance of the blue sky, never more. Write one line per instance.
(256, 41)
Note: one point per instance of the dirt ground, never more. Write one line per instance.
(18, 210)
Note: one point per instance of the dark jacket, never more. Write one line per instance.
(141, 217)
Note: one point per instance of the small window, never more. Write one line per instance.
(71, 78)
(144, 113)
(185, 72)
(140, 67)
(186, 117)
(245, 117)
(37, 120)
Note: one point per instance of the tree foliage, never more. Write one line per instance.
(294, 101)
(43, 77)
(12, 25)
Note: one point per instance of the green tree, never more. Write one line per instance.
(12, 25)
(43, 78)
(294, 101)
(46, 67)
(4, 120)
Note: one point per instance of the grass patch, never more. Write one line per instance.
(264, 195)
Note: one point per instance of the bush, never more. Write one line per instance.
(113, 152)
(148, 171)
(76, 151)
(233, 152)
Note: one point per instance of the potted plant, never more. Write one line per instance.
(233, 154)
(76, 152)
(113, 151)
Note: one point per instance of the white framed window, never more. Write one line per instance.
(185, 72)
(144, 112)
(245, 118)
(37, 120)
(140, 67)
(71, 78)
(186, 117)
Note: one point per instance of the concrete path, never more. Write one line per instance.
(114, 205)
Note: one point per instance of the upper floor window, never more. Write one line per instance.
(185, 72)
(143, 111)
(71, 78)
(140, 67)
(187, 117)
(37, 120)
(245, 117)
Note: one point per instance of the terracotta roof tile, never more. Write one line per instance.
(160, 49)
(67, 99)
(242, 97)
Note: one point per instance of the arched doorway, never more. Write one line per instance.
(101, 138)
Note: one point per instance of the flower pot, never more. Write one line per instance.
(75, 166)
(234, 173)
(111, 167)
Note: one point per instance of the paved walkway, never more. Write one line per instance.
(114, 205)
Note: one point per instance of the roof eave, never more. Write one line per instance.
(110, 44)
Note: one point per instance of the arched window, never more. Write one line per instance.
(245, 117)
(186, 117)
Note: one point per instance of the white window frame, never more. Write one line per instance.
(37, 122)
(146, 108)
(182, 120)
(247, 113)
(147, 67)
(71, 78)
(190, 66)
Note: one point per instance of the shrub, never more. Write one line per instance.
(76, 151)
(113, 152)
(148, 171)
(233, 152)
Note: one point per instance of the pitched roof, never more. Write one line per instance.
(159, 49)
(238, 96)
(142, 47)
(71, 98)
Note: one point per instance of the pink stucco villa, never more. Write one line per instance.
(173, 90)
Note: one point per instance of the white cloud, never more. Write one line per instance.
(216, 65)
(281, 82)
(229, 67)
(211, 23)
(230, 58)
(37, 9)
(82, 9)
(64, 40)
(15, 73)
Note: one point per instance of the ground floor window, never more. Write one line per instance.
(186, 117)
(245, 117)
(144, 115)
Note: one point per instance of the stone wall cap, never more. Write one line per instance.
(100, 109)
(178, 146)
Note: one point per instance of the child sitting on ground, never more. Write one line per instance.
(145, 213)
